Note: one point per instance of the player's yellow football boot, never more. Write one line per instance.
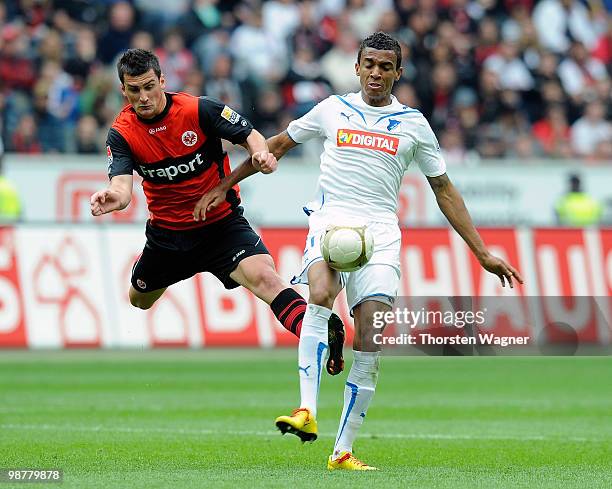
(347, 461)
(301, 423)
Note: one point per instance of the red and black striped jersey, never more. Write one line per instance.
(179, 156)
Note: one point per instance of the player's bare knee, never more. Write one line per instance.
(322, 294)
(140, 300)
(141, 303)
(267, 280)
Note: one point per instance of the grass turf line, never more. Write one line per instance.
(205, 419)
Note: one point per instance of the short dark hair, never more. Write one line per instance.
(135, 62)
(383, 41)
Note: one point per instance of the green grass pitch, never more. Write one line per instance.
(186, 419)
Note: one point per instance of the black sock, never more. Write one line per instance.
(289, 308)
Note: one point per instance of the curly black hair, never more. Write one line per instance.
(383, 41)
(135, 62)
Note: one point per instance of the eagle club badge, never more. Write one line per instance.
(189, 138)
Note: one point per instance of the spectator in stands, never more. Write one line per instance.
(159, 15)
(311, 32)
(554, 52)
(257, 54)
(222, 86)
(465, 109)
(209, 46)
(553, 131)
(116, 37)
(51, 132)
(25, 136)
(363, 17)
(194, 82)
(280, 18)
(304, 86)
(268, 110)
(489, 93)
(558, 22)
(175, 58)
(88, 136)
(488, 40)
(580, 73)
(201, 18)
(141, 40)
(453, 146)
(80, 64)
(437, 101)
(338, 64)
(603, 48)
(591, 130)
(524, 149)
(464, 18)
(511, 70)
(17, 70)
(406, 94)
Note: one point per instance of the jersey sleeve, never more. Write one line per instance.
(427, 154)
(222, 121)
(309, 126)
(120, 160)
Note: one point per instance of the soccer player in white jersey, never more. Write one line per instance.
(370, 138)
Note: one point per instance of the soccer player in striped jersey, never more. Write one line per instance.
(173, 141)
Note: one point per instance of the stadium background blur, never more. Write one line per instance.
(508, 78)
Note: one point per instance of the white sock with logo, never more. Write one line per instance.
(312, 354)
(358, 393)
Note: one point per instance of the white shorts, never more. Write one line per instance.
(377, 280)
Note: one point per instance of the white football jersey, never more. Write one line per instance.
(366, 152)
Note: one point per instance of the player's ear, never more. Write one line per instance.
(162, 81)
(357, 69)
(400, 70)
(122, 88)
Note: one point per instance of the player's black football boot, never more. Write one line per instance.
(335, 328)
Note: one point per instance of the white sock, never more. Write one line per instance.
(358, 393)
(312, 353)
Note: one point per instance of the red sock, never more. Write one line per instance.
(289, 308)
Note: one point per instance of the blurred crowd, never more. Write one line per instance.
(508, 78)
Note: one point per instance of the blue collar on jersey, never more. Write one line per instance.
(409, 111)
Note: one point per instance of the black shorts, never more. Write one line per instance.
(170, 256)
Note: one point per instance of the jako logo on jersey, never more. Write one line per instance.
(241, 252)
(367, 140)
(157, 129)
(189, 138)
(172, 171)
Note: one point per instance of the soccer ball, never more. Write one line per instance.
(347, 248)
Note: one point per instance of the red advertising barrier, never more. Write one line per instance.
(562, 265)
(12, 322)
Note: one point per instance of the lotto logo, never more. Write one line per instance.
(367, 140)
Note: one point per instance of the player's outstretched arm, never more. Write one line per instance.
(452, 206)
(261, 158)
(276, 146)
(114, 198)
